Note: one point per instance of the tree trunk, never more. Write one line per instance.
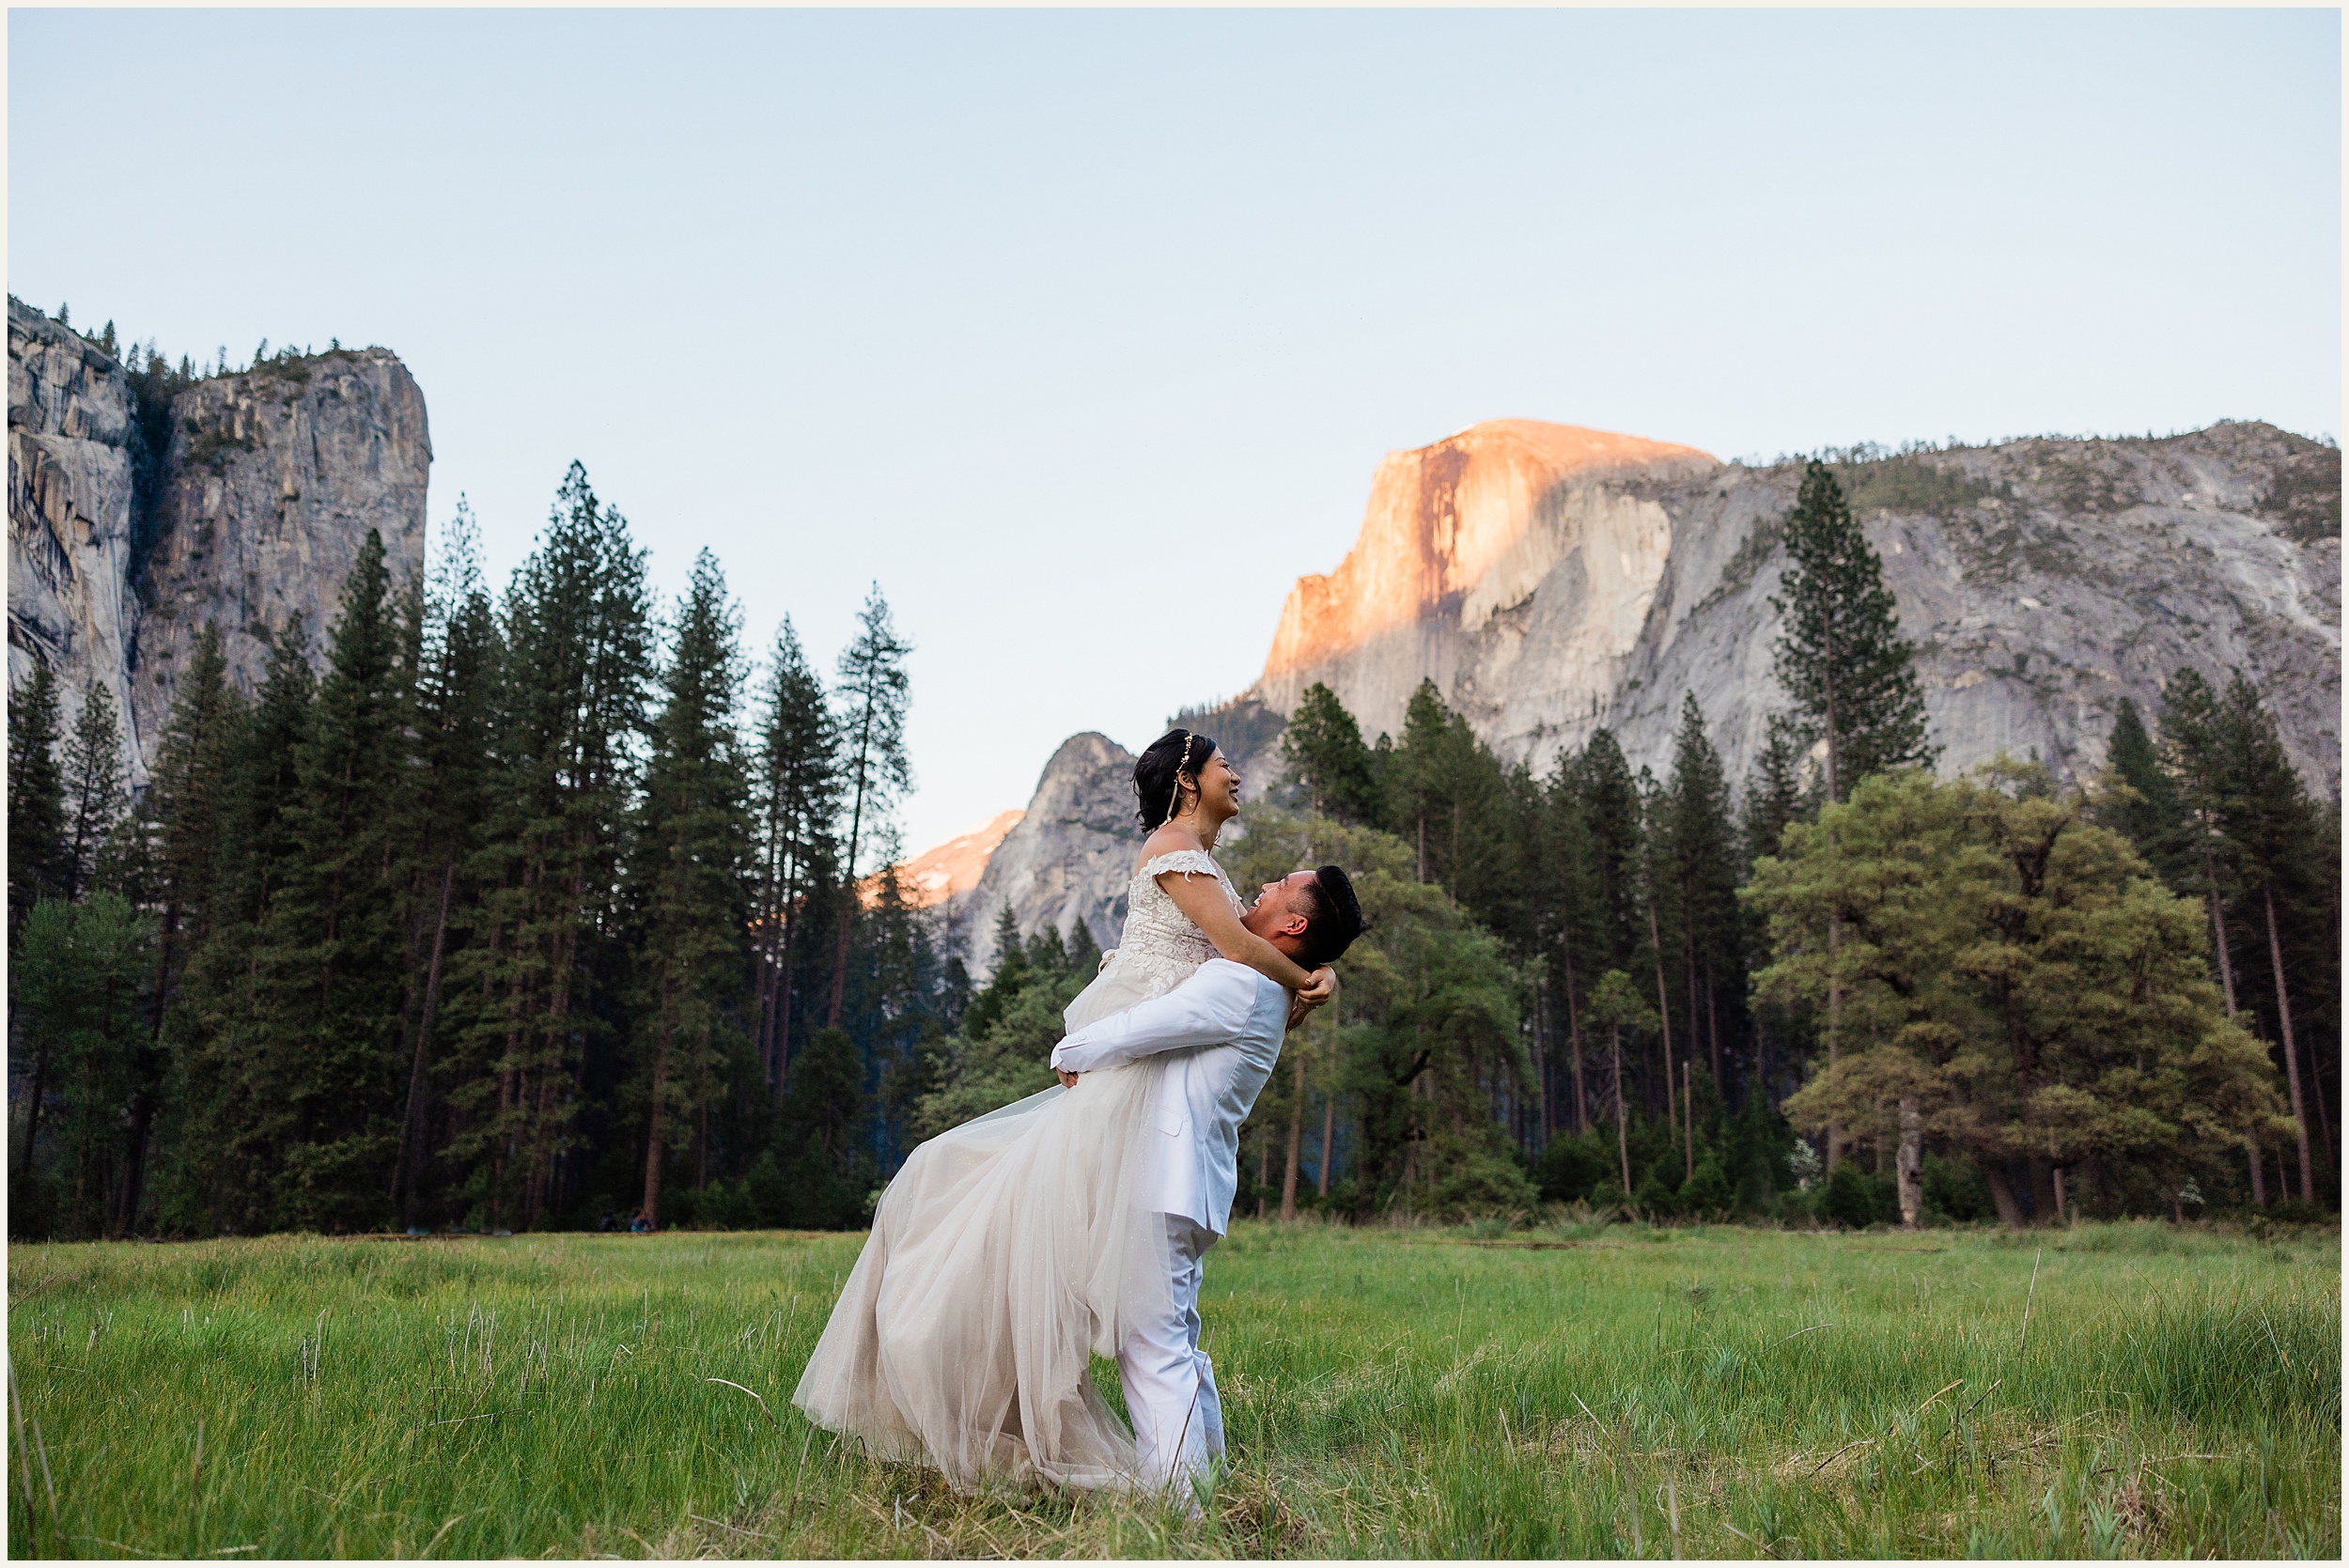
(1834, 1028)
(143, 1103)
(1909, 1164)
(1713, 1031)
(2002, 1195)
(1297, 1146)
(856, 826)
(653, 1147)
(2043, 1189)
(1329, 1129)
(410, 1138)
(2259, 1170)
(32, 1111)
(782, 995)
(1663, 1002)
(1574, 1041)
(1264, 1165)
(2218, 933)
(1622, 1138)
(2292, 1052)
(1689, 1112)
(1541, 1090)
(2055, 1176)
(2323, 1116)
(134, 1175)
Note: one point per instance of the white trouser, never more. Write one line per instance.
(1169, 1383)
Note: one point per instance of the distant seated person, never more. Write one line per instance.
(638, 1223)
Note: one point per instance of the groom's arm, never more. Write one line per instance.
(1208, 1009)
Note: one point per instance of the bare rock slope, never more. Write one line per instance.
(263, 495)
(70, 511)
(1068, 859)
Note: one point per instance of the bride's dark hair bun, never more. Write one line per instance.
(1154, 771)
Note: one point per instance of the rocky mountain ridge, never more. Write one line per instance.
(1553, 580)
(266, 486)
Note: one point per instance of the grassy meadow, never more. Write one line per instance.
(1574, 1390)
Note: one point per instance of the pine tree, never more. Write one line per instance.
(222, 1172)
(1703, 860)
(798, 801)
(827, 1168)
(2193, 755)
(2150, 817)
(1656, 882)
(77, 986)
(2273, 828)
(1575, 918)
(96, 787)
(328, 978)
(1617, 1007)
(37, 837)
(186, 801)
(691, 871)
(258, 837)
(872, 698)
(1841, 658)
(540, 986)
(1610, 808)
(446, 804)
(1412, 772)
(1840, 654)
(897, 1002)
(1773, 796)
(1324, 748)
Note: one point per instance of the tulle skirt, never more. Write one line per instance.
(1006, 1254)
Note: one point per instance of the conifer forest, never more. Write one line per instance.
(553, 907)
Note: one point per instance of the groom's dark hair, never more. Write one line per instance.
(1333, 918)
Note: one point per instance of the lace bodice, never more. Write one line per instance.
(1161, 946)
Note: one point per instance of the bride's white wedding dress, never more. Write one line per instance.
(1010, 1250)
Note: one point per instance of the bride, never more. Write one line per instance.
(1009, 1252)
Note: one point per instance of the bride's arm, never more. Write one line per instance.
(1202, 900)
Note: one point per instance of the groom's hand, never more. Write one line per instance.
(1067, 1081)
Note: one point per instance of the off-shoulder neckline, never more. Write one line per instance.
(1160, 862)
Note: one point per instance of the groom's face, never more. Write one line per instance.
(1277, 915)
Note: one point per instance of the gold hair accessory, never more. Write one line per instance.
(1175, 802)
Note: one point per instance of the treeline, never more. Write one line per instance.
(536, 908)
(524, 911)
(1981, 997)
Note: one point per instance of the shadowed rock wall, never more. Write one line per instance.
(266, 489)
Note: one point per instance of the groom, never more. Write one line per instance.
(1225, 1024)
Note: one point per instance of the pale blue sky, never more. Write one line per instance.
(1082, 333)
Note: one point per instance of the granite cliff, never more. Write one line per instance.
(71, 516)
(264, 488)
(1067, 861)
(1552, 579)
(2042, 581)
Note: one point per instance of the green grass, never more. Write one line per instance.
(1388, 1392)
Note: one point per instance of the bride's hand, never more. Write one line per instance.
(1067, 1081)
(1323, 985)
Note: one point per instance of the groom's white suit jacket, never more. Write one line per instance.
(1227, 1021)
